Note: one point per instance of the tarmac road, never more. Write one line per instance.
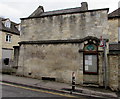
(14, 91)
(17, 92)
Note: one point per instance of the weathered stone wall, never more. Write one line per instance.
(0, 49)
(55, 61)
(100, 66)
(69, 26)
(119, 71)
(113, 30)
(59, 60)
(16, 56)
(114, 76)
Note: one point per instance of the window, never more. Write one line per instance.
(119, 34)
(6, 61)
(90, 64)
(7, 24)
(8, 38)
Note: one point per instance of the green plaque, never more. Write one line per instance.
(90, 47)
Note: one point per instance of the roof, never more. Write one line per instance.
(114, 47)
(114, 14)
(63, 12)
(62, 41)
(39, 12)
(13, 29)
(58, 12)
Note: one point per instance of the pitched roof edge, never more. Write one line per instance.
(67, 13)
(10, 32)
(113, 17)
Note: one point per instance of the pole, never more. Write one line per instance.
(105, 65)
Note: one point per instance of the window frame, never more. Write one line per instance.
(8, 38)
(118, 34)
(90, 53)
(7, 24)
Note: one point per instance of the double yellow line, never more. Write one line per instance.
(37, 90)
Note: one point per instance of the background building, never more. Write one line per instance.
(9, 37)
(114, 49)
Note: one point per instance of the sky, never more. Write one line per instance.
(16, 9)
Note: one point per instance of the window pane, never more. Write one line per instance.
(8, 38)
(90, 63)
(118, 33)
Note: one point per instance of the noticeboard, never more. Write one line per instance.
(90, 63)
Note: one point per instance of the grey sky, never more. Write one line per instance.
(16, 9)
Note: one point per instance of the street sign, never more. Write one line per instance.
(101, 42)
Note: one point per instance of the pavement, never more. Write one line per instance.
(60, 87)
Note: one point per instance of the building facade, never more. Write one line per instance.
(114, 49)
(9, 37)
(57, 43)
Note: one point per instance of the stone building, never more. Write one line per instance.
(9, 37)
(114, 49)
(57, 43)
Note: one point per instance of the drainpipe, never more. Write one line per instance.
(105, 65)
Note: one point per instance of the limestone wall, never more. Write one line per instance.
(0, 49)
(113, 30)
(69, 26)
(57, 61)
(119, 71)
(114, 76)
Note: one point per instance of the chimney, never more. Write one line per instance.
(84, 6)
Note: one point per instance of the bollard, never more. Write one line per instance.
(73, 81)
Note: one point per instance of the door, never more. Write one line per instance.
(6, 57)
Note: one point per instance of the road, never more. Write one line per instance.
(9, 90)
(16, 91)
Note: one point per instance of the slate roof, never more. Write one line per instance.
(114, 47)
(62, 12)
(114, 14)
(39, 12)
(58, 12)
(13, 29)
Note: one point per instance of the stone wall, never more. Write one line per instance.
(119, 71)
(55, 61)
(59, 60)
(69, 26)
(114, 76)
(113, 30)
(0, 49)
